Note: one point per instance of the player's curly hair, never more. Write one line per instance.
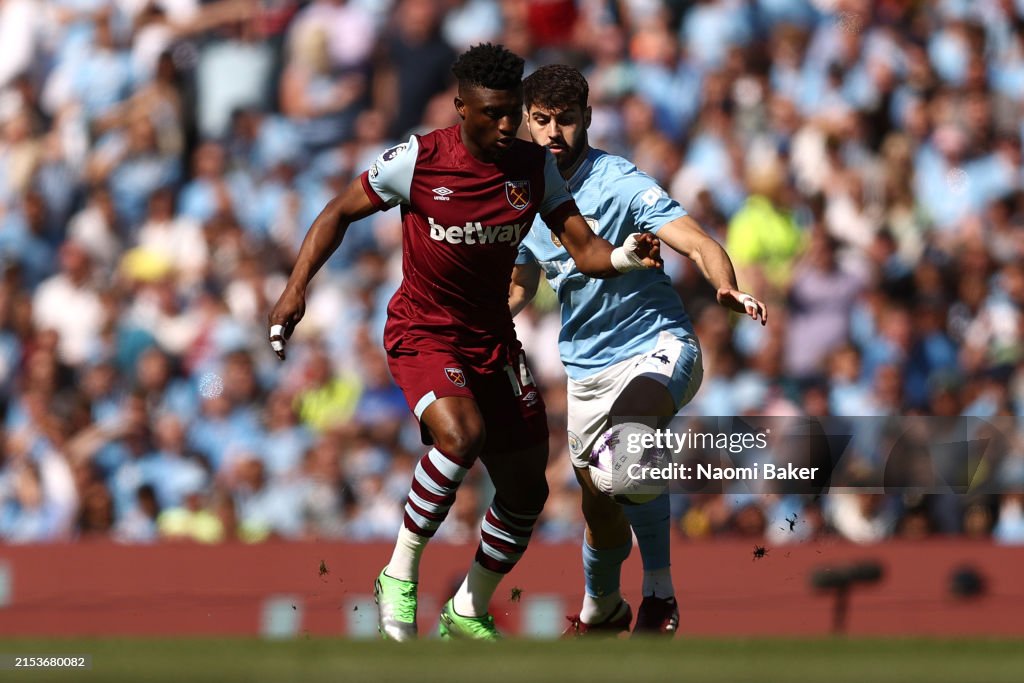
(489, 66)
(556, 87)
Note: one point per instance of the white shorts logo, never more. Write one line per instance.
(575, 445)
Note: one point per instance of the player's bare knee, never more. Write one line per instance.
(522, 488)
(601, 512)
(462, 441)
(607, 529)
(538, 494)
(644, 397)
(606, 522)
(457, 427)
(525, 496)
(530, 501)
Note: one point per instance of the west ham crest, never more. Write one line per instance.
(518, 193)
(457, 377)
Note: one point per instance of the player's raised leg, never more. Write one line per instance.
(648, 398)
(607, 540)
(647, 389)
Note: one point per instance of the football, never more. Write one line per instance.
(618, 461)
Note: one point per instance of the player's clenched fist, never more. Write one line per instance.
(648, 248)
(640, 250)
(287, 313)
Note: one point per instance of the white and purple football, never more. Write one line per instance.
(618, 461)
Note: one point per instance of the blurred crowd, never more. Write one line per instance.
(160, 161)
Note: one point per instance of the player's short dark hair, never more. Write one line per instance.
(556, 87)
(489, 66)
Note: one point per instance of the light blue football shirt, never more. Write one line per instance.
(607, 321)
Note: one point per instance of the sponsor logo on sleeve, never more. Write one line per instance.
(394, 152)
(652, 195)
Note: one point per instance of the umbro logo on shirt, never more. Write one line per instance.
(441, 194)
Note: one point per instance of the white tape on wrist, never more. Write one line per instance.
(624, 259)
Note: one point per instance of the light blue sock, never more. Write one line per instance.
(602, 568)
(651, 522)
(601, 572)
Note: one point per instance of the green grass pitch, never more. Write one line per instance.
(684, 659)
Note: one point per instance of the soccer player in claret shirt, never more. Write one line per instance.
(469, 194)
(627, 344)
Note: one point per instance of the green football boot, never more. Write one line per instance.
(396, 607)
(455, 626)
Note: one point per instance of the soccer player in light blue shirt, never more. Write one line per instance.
(627, 343)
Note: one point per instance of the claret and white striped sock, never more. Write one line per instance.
(504, 536)
(434, 483)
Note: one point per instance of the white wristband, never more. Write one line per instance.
(624, 258)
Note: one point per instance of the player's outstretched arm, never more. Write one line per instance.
(525, 279)
(321, 241)
(595, 256)
(687, 237)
